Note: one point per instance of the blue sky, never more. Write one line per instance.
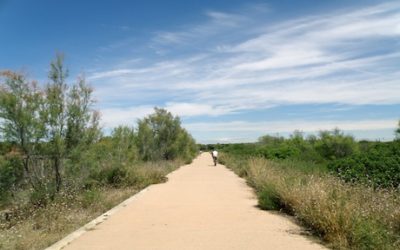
(233, 70)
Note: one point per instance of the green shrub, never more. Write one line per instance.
(111, 175)
(115, 176)
(237, 163)
(42, 194)
(89, 197)
(268, 198)
(335, 145)
(379, 166)
(90, 183)
(371, 235)
(239, 149)
(11, 174)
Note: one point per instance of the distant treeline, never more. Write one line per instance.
(370, 162)
(51, 140)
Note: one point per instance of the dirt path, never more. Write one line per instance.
(200, 207)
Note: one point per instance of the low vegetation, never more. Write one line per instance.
(346, 192)
(58, 170)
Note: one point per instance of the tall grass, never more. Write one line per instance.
(345, 216)
(30, 227)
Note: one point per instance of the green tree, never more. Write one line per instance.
(160, 136)
(186, 146)
(79, 115)
(145, 141)
(20, 114)
(56, 115)
(124, 144)
(69, 119)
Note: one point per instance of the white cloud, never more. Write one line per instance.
(113, 117)
(195, 109)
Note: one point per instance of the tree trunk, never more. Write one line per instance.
(57, 173)
(27, 172)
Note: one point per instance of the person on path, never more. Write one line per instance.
(215, 156)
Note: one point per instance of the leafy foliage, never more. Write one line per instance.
(160, 136)
(378, 166)
(20, 113)
(334, 145)
(11, 174)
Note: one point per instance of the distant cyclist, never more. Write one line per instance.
(215, 156)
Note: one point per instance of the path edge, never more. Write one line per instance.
(103, 217)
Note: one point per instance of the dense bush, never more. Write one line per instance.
(335, 145)
(11, 174)
(111, 176)
(378, 166)
(283, 151)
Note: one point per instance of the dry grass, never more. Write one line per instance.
(345, 216)
(46, 225)
(37, 228)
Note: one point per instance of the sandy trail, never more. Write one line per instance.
(200, 207)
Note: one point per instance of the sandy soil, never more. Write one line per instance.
(200, 207)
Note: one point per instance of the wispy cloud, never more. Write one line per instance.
(233, 62)
(195, 35)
